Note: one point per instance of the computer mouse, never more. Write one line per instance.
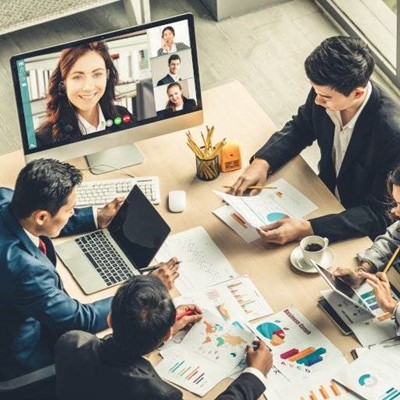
(176, 201)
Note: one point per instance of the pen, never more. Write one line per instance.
(183, 314)
(390, 262)
(253, 187)
(154, 267)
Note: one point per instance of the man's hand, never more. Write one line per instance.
(107, 213)
(261, 358)
(254, 174)
(168, 272)
(186, 315)
(381, 286)
(285, 230)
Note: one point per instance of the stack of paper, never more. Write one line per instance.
(202, 263)
(208, 353)
(373, 376)
(246, 213)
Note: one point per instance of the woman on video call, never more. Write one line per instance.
(176, 100)
(81, 95)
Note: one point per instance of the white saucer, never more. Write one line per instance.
(296, 258)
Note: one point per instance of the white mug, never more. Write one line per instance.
(313, 248)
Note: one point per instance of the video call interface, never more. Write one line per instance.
(155, 80)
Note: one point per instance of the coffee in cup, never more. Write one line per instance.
(313, 248)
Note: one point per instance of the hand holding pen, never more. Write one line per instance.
(167, 272)
(186, 315)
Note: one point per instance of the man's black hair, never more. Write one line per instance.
(341, 62)
(44, 184)
(142, 313)
(173, 57)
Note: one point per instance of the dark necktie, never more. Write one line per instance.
(42, 247)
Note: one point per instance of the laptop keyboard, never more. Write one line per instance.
(98, 193)
(107, 262)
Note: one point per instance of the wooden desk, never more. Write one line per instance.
(235, 116)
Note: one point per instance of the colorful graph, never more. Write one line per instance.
(367, 380)
(370, 299)
(243, 297)
(390, 394)
(276, 216)
(273, 332)
(324, 392)
(186, 371)
(307, 357)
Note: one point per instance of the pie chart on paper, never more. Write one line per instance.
(276, 216)
(273, 332)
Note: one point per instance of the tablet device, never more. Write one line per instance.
(342, 288)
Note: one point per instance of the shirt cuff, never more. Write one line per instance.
(257, 373)
(94, 209)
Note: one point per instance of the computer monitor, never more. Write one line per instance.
(94, 95)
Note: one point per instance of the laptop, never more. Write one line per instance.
(108, 257)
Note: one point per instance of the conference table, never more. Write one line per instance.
(236, 116)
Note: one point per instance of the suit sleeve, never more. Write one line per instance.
(81, 221)
(246, 387)
(370, 216)
(292, 138)
(37, 294)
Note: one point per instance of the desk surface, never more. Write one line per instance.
(236, 116)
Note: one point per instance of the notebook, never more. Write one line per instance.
(107, 257)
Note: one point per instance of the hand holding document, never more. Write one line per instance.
(245, 213)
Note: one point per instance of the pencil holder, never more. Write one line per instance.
(207, 169)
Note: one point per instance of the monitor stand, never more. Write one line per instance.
(114, 159)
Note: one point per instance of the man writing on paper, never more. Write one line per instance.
(34, 308)
(357, 127)
(142, 317)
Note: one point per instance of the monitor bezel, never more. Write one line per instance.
(100, 141)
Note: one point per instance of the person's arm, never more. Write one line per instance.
(250, 385)
(279, 149)
(38, 295)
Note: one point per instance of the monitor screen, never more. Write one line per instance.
(108, 90)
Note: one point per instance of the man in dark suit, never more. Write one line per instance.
(142, 317)
(34, 308)
(174, 65)
(357, 127)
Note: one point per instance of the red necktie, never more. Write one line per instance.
(42, 247)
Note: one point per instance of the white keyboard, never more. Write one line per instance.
(98, 193)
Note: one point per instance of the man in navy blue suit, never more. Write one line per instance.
(34, 308)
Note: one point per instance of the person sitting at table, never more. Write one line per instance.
(34, 307)
(357, 128)
(168, 42)
(81, 95)
(374, 259)
(176, 100)
(142, 317)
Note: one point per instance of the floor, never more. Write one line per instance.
(264, 50)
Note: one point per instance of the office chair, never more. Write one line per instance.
(37, 385)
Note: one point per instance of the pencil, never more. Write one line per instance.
(154, 267)
(253, 187)
(390, 262)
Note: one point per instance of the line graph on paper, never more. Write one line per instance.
(202, 262)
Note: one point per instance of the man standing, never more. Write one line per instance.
(174, 65)
(357, 127)
(34, 308)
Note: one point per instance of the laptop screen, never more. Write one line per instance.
(139, 229)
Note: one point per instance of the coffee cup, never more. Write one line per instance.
(313, 248)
